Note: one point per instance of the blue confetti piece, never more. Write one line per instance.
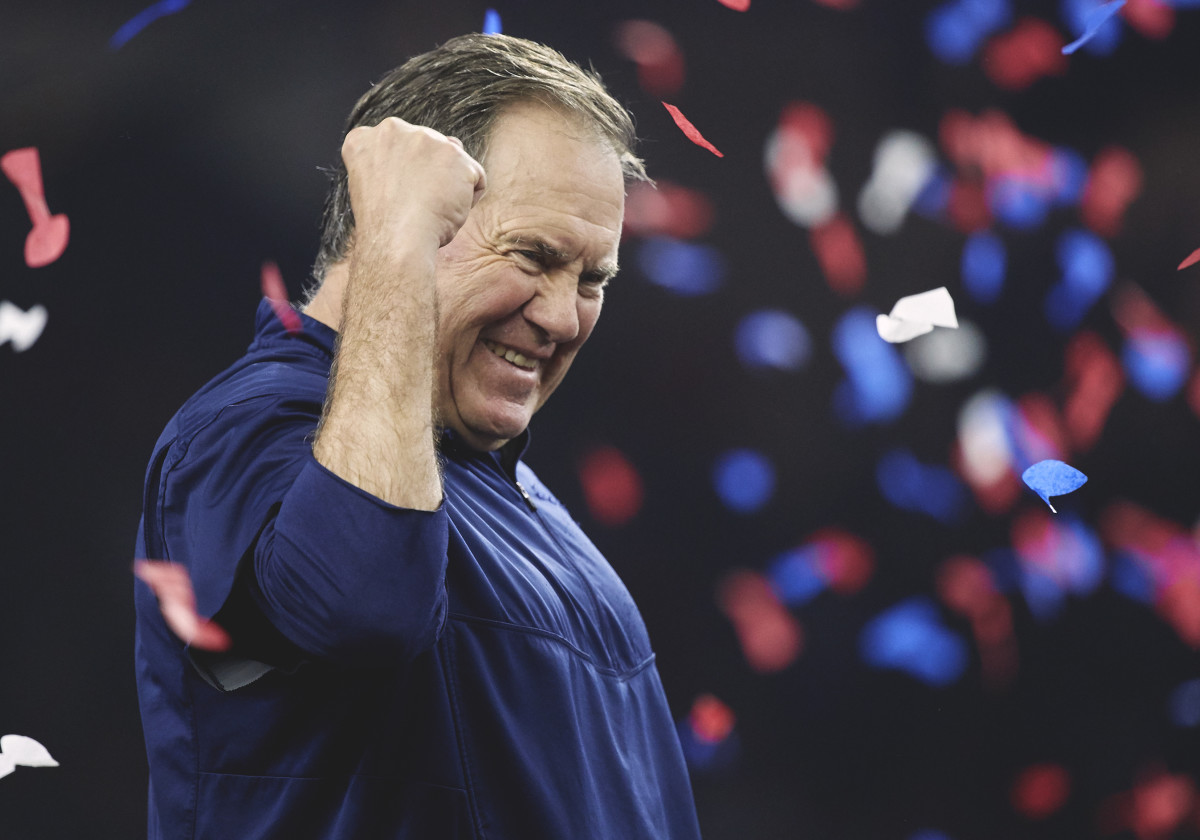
(1069, 174)
(910, 485)
(984, 263)
(1157, 363)
(1018, 203)
(771, 338)
(143, 19)
(908, 637)
(491, 22)
(1042, 594)
(1185, 704)
(684, 268)
(878, 386)
(796, 575)
(1131, 578)
(1094, 22)
(744, 480)
(1053, 478)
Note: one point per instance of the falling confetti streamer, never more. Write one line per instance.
(916, 315)
(48, 239)
(690, 130)
(274, 291)
(143, 19)
(491, 23)
(1053, 478)
(1191, 260)
(1095, 20)
(172, 587)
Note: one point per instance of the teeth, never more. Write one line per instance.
(508, 354)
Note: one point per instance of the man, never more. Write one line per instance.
(424, 644)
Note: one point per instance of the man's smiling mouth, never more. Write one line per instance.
(510, 355)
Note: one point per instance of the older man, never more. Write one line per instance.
(425, 645)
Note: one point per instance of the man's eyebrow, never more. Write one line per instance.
(601, 273)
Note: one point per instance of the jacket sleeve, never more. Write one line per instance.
(341, 574)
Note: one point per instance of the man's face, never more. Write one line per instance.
(520, 287)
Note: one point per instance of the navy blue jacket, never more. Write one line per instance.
(478, 671)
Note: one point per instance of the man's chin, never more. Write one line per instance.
(492, 430)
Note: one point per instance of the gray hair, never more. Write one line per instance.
(460, 89)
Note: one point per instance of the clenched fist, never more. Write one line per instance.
(408, 182)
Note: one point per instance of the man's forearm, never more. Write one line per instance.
(377, 431)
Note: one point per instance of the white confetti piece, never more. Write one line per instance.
(25, 752)
(7, 765)
(19, 326)
(916, 315)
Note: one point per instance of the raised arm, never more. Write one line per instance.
(411, 189)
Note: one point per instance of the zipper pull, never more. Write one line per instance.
(525, 496)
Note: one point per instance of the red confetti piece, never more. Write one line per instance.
(840, 254)
(1094, 381)
(1191, 260)
(611, 486)
(1041, 790)
(770, 636)
(667, 210)
(711, 720)
(847, 562)
(660, 64)
(690, 130)
(172, 587)
(968, 207)
(48, 238)
(1018, 58)
(274, 291)
(736, 5)
(1152, 18)
(1114, 181)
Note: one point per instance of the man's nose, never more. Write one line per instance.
(554, 307)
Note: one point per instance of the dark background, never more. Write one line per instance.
(191, 155)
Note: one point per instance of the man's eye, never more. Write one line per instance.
(533, 256)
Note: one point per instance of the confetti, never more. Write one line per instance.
(690, 130)
(916, 315)
(612, 487)
(769, 634)
(491, 22)
(904, 162)
(21, 327)
(984, 264)
(840, 254)
(910, 485)
(1040, 790)
(1053, 478)
(1095, 20)
(1114, 181)
(48, 239)
(1016, 59)
(172, 587)
(772, 339)
(26, 752)
(274, 291)
(7, 765)
(909, 637)
(878, 385)
(143, 19)
(660, 64)
(685, 268)
(736, 5)
(947, 356)
(744, 479)
(667, 209)
(1191, 260)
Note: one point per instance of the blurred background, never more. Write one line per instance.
(867, 625)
